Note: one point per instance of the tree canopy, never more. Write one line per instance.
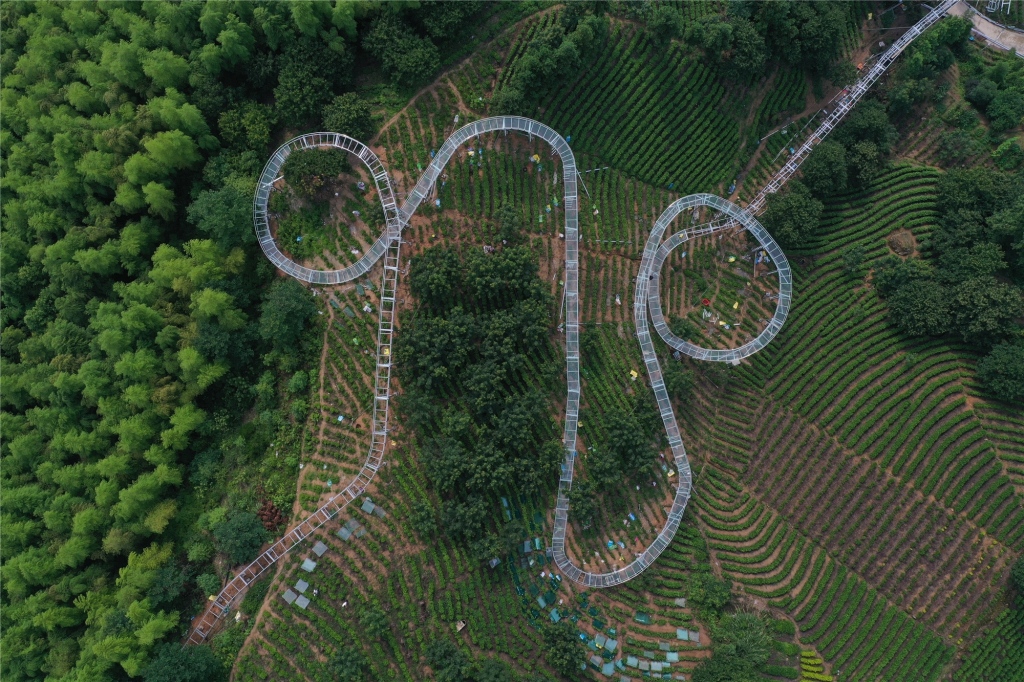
(825, 170)
(555, 52)
(463, 358)
(562, 648)
(310, 171)
(971, 284)
(793, 214)
(136, 309)
(351, 115)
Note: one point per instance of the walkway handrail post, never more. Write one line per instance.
(655, 253)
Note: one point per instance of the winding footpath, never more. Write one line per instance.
(646, 299)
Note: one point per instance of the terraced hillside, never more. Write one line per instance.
(869, 494)
(853, 480)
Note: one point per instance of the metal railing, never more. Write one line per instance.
(844, 104)
(655, 253)
(735, 217)
(389, 243)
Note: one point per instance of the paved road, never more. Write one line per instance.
(992, 32)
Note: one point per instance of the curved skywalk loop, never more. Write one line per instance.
(657, 251)
(272, 172)
(388, 247)
(423, 189)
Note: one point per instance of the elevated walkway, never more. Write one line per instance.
(646, 298)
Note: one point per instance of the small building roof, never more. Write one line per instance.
(302, 586)
(595, 661)
(695, 636)
(319, 548)
(682, 634)
(368, 506)
(632, 661)
(308, 565)
(672, 657)
(289, 596)
(344, 533)
(302, 602)
(555, 617)
(608, 668)
(379, 511)
(611, 644)
(655, 667)
(681, 601)
(664, 646)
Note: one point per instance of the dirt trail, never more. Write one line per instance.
(323, 375)
(255, 619)
(444, 79)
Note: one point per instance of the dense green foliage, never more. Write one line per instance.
(350, 115)
(998, 91)
(480, 329)
(1002, 370)
(970, 286)
(741, 648)
(554, 54)
(751, 35)
(916, 79)
(451, 664)
(136, 333)
(310, 171)
(174, 663)
(825, 171)
(562, 648)
(792, 215)
(631, 446)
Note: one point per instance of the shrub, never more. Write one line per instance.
(240, 537)
(1009, 155)
(208, 583)
(309, 170)
(1002, 372)
(784, 626)
(351, 115)
(793, 216)
(299, 382)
